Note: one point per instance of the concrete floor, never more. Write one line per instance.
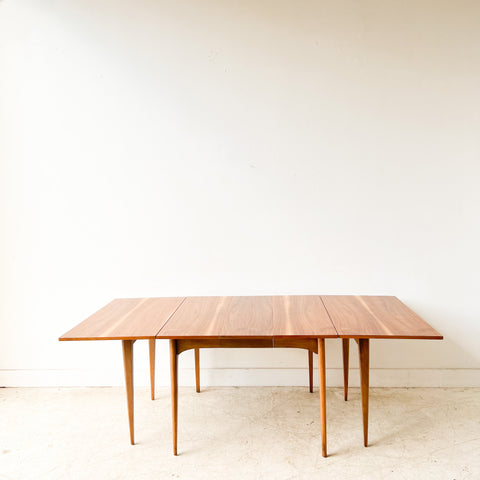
(247, 433)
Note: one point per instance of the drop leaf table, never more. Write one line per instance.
(289, 321)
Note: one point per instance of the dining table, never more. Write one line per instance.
(268, 321)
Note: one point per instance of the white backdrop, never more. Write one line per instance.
(164, 148)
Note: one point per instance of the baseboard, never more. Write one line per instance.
(243, 377)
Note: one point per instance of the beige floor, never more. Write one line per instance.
(247, 433)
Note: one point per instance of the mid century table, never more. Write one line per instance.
(252, 322)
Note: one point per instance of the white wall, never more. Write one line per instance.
(163, 148)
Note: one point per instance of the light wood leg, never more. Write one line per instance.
(346, 352)
(364, 354)
(310, 370)
(151, 349)
(127, 347)
(197, 369)
(174, 386)
(322, 390)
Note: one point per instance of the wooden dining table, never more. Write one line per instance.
(288, 321)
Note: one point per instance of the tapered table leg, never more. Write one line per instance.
(197, 369)
(364, 354)
(174, 386)
(345, 352)
(322, 390)
(310, 370)
(151, 349)
(127, 347)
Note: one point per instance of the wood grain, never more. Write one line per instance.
(302, 316)
(376, 317)
(248, 317)
(197, 317)
(101, 321)
(126, 319)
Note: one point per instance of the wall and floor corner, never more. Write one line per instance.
(159, 148)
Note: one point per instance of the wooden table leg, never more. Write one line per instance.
(310, 370)
(174, 386)
(364, 354)
(346, 352)
(197, 369)
(322, 390)
(127, 347)
(151, 349)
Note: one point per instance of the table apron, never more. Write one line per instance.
(183, 344)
